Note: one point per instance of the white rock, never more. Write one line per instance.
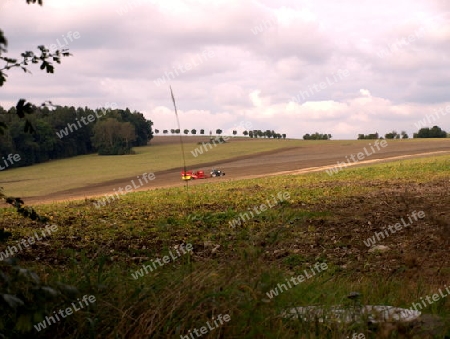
(379, 249)
(339, 314)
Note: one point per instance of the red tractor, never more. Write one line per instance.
(191, 175)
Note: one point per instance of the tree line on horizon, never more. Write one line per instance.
(257, 133)
(317, 136)
(59, 133)
(425, 132)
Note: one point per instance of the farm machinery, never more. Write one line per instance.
(191, 175)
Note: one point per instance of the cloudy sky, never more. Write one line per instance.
(295, 66)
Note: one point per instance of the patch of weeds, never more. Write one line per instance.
(211, 218)
(294, 260)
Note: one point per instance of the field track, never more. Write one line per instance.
(292, 160)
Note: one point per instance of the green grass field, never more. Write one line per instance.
(231, 270)
(80, 171)
(59, 175)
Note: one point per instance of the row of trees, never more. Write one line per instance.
(368, 136)
(390, 135)
(395, 135)
(264, 134)
(64, 132)
(317, 136)
(426, 132)
(186, 131)
(251, 134)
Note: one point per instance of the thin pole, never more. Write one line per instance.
(181, 139)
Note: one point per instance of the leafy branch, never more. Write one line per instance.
(19, 205)
(46, 59)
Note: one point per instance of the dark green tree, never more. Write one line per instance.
(142, 126)
(434, 132)
(368, 136)
(392, 135)
(112, 137)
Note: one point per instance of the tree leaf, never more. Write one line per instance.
(19, 107)
(2, 78)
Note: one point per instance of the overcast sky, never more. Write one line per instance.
(295, 66)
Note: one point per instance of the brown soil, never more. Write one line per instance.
(419, 252)
(293, 160)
